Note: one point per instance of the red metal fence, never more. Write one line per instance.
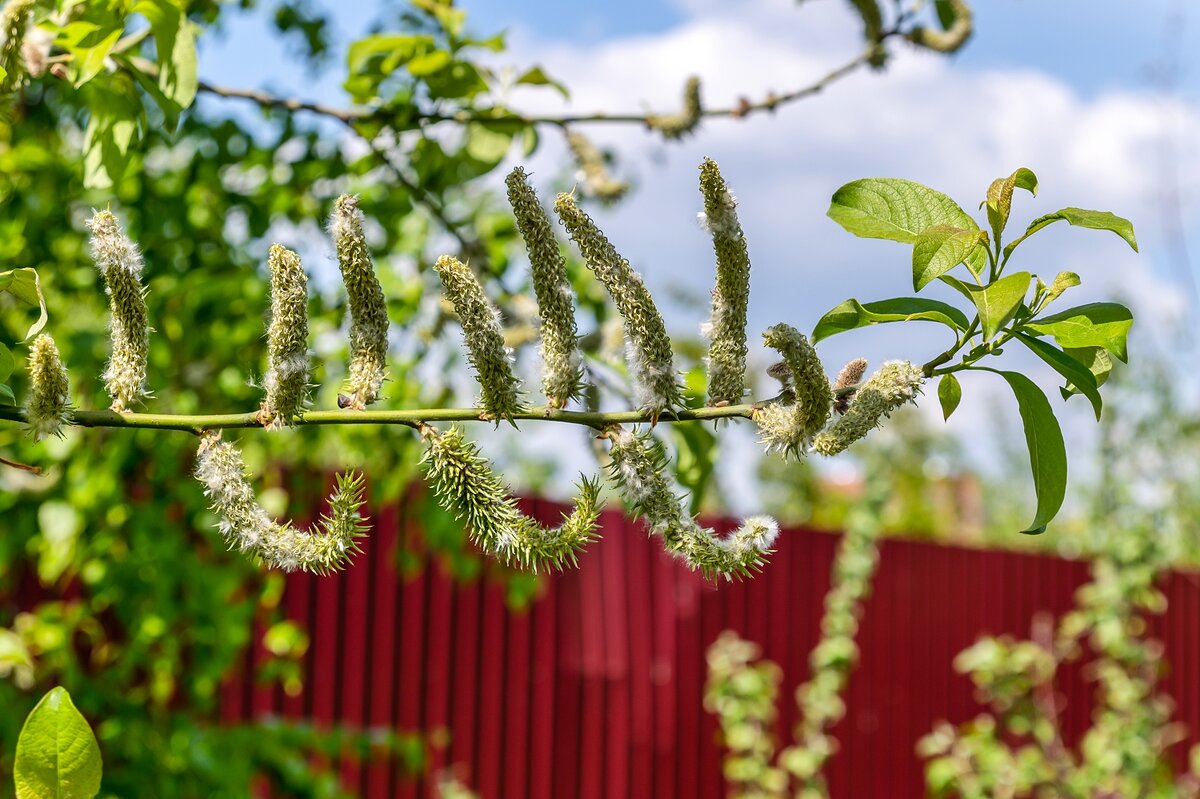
(595, 691)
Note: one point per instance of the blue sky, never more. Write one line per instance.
(1063, 87)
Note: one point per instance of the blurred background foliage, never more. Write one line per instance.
(113, 581)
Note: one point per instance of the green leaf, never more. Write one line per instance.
(25, 286)
(6, 362)
(57, 754)
(116, 112)
(1047, 452)
(899, 210)
(6, 395)
(1097, 324)
(939, 249)
(945, 13)
(536, 76)
(488, 144)
(949, 394)
(996, 302)
(1076, 373)
(999, 197)
(175, 41)
(1062, 282)
(852, 314)
(1098, 362)
(1095, 220)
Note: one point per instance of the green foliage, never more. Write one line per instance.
(57, 754)
(944, 237)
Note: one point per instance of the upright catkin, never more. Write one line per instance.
(48, 406)
(286, 382)
(844, 385)
(648, 348)
(500, 395)
(120, 264)
(368, 308)
(562, 370)
(726, 329)
(248, 528)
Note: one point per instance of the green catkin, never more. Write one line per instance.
(48, 405)
(593, 174)
(492, 360)
(789, 425)
(681, 123)
(562, 370)
(247, 527)
(648, 349)
(120, 264)
(953, 38)
(843, 386)
(639, 470)
(896, 383)
(286, 382)
(465, 485)
(368, 308)
(727, 328)
(14, 22)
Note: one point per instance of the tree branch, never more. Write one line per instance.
(408, 418)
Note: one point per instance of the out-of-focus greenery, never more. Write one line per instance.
(1142, 519)
(113, 581)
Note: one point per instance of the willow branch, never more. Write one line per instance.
(407, 418)
(743, 108)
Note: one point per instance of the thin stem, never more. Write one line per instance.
(930, 369)
(408, 418)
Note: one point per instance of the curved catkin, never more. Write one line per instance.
(286, 382)
(648, 348)
(48, 405)
(368, 308)
(953, 38)
(562, 371)
(465, 485)
(250, 529)
(120, 264)
(492, 360)
(683, 122)
(791, 424)
(727, 328)
(639, 470)
(14, 22)
(896, 383)
(593, 173)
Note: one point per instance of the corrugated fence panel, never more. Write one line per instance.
(595, 690)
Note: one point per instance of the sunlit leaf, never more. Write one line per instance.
(1095, 220)
(57, 754)
(939, 249)
(1097, 324)
(852, 314)
(1076, 373)
(949, 394)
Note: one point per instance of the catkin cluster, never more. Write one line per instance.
(593, 173)
(726, 330)
(368, 308)
(500, 395)
(682, 122)
(896, 383)
(562, 370)
(638, 469)
(248, 527)
(48, 405)
(648, 348)
(286, 384)
(466, 486)
(120, 264)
